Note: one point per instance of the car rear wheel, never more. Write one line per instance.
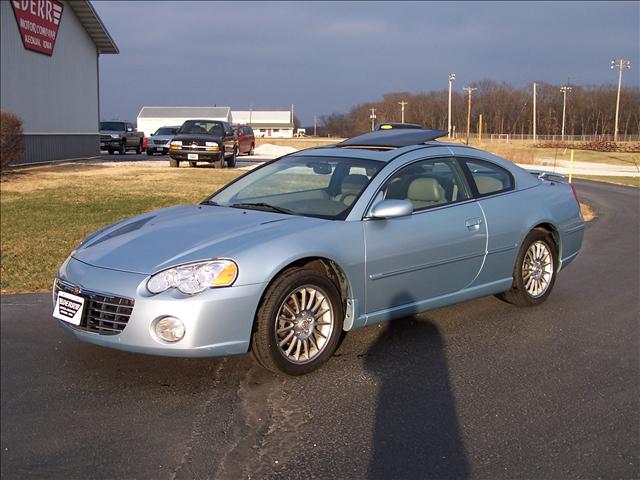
(139, 148)
(252, 149)
(173, 162)
(298, 324)
(535, 271)
(193, 164)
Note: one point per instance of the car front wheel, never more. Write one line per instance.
(535, 271)
(298, 323)
(173, 162)
(231, 161)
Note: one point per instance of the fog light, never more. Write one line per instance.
(169, 329)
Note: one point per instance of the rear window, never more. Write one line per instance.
(489, 178)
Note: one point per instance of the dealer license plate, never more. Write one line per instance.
(69, 308)
(192, 156)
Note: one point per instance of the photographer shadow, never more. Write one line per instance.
(416, 430)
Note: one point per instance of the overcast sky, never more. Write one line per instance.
(327, 57)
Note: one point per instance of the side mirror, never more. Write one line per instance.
(391, 209)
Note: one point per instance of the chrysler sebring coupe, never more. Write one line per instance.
(285, 259)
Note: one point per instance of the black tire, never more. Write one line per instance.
(220, 162)
(264, 344)
(139, 148)
(149, 152)
(174, 163)
(123, 148)
(519, 295)
(110, 150)
(193, 164)
(231, 161)
(252, 149)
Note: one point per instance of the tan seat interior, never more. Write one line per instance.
(487, 184)
(425, 192)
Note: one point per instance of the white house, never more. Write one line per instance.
(151, 119)
(274, 124)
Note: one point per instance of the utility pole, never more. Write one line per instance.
(480, 129)
(402, 104)
(372, 116)
(619, 64)
(292, 113)
(452, 77)
(469, 90)
(315, 125)
(534, 112)
(564, 89)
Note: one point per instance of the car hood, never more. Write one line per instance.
(158, 240)
(164, 138)
(186, 137)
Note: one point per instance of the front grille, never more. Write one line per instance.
(160, 142)
(104, 138)
(102, 314)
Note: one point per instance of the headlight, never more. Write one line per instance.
(210, 144)
(177, 143)
(195, 277)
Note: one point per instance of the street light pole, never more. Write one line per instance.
(469, 90)
(619, 64)
(372, 116)
(402, 104)
(564, 89)
(534, 112)
(452, 77)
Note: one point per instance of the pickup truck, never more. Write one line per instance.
(120, 136)
(211, 141)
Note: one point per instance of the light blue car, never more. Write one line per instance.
(286, 258)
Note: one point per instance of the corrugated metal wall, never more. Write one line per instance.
(56, 96)
(47, 148)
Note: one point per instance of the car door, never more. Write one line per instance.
(436, 251)
(229, 139)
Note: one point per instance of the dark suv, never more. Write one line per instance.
(210, 141)
(246, 139)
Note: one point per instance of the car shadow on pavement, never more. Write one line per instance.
(416, 431)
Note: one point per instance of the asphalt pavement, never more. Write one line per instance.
(478, 390)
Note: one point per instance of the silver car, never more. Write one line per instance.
(160, 140)
(286, 258)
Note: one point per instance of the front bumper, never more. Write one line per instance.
(203, 155)
(217, 322)
(113, 143)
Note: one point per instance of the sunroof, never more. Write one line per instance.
(394, 138)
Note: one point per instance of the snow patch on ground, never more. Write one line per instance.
(273, 150)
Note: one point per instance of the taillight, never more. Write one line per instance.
(241, 134)
(575, 193)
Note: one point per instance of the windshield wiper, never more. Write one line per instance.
(210, 202)
(260, 206)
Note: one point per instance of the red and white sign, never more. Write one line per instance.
(38, 22)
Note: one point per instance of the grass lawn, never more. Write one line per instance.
(631, 181)
(47, 211)
(519, 152)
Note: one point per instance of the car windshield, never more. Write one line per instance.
(119, 126)
(202, 127)
(324, 187)
(165, 131)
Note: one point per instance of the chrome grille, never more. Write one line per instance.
(103, 314)
(160, 142)
(105, 138)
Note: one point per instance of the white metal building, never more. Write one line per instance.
(151, 119)
(49, 75)
(274, 124)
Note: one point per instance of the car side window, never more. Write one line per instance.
(428, 183)
(488, 177)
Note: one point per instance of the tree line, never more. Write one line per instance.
(505, 110)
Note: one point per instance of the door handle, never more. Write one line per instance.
(473, 223)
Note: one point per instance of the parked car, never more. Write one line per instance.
(246, 139)
(120, 136)
(286, 258)
(160, 139)
(210, 141)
